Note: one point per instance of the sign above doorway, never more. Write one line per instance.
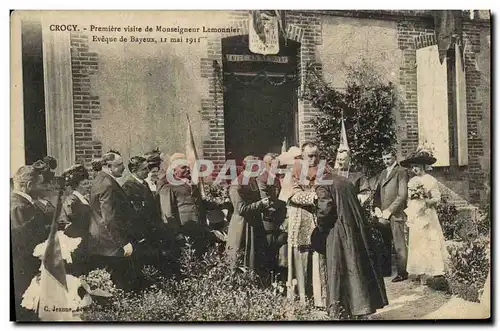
(256, 58)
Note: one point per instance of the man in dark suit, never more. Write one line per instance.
(29, 227)
(148, 224)
(390, 196)
(111, 233)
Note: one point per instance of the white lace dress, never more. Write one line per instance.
(427, 254)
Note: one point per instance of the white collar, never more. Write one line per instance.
(137, 179)
(81, 197)
(110, 175)
(389, 168)
(152, 186)
(184, 180)
(25, 195)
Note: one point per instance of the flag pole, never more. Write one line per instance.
(191, 145)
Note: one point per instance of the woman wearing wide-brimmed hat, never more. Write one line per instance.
(426, 247)
(76, 215)
(154, 160)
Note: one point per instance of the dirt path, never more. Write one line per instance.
(410, 300)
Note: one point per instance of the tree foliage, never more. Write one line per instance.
(366, 104)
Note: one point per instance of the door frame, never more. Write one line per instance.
(289, 48)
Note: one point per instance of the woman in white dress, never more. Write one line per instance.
(427, 252)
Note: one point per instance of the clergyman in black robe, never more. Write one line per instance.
(354, 281)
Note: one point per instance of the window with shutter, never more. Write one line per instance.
(442, 105)
(432, 102)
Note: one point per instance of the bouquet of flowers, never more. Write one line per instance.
(217, 194)
(417, 191)
(98, 282)
(416, 205)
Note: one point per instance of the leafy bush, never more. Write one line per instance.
(468, 263)
(448, 217)
(208, 290)
(463, 226)
(468, 268)
(484, 222)
(367, 105)
(485, 210)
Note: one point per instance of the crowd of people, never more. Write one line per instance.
(315, 236)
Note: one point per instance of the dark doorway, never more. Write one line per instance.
(260, 99)
(35, 139)
(258, 116)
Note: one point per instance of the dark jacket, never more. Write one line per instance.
(246, 234)
(360, 182)
(392, 192)
(148, 224)
(46, 207)
(271, 188)
(182, 208)
(357, 178)
(75, 217)
(353, 276)
(29, 227)
(112, 217)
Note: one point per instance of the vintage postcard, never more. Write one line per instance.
(250, 165)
